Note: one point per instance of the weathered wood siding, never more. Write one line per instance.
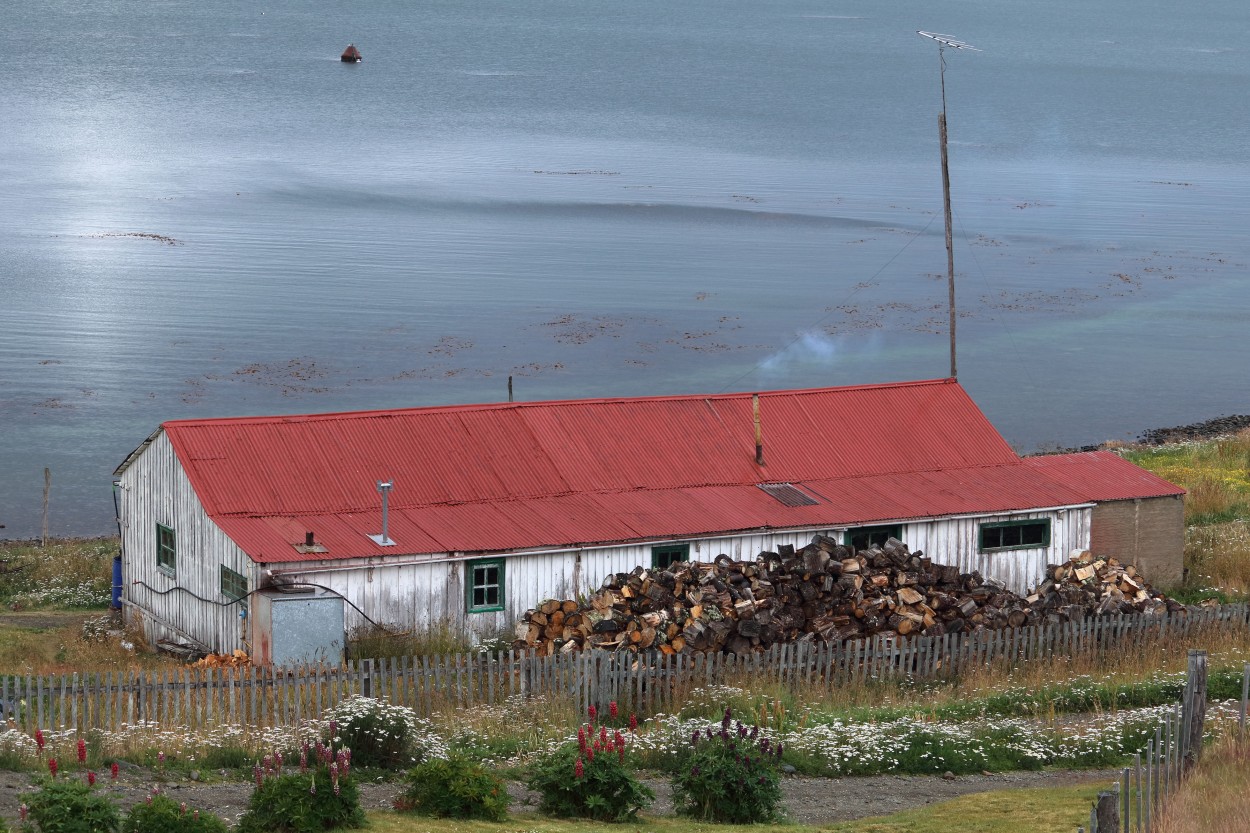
(155, 490)
(418, 595)
(1020, 569)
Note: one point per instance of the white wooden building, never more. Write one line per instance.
(494, 508)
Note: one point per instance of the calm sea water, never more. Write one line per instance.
(205, 213)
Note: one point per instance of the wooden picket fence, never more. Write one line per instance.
(645, 684)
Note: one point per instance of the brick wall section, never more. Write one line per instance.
(1147, 532)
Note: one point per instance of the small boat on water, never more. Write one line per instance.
(351, 55)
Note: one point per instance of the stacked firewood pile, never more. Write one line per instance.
(237, 659)
(1102, 586)
(826, 592)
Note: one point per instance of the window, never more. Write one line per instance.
(665, 556)
(863, 537)
(166, 549)
(1015, 535)
(233, 585)
(485, 585)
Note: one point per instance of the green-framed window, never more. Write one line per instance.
(233, 585)
(666, 555)
(166, 549)
(1015, 535)
(863, 537)
(484, 583)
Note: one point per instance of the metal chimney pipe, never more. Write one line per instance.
(384, 540)
(759, 434)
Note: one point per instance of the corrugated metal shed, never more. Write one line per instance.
(520, 476)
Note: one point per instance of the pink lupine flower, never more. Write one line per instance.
(633, 722)
(620, 751)
(277, 762)
(603, 735)
(578, 769)
(183, 807)
(259, 775)
(160, 758)
(113, 770)
(90, 778)
(303, 759)
(82, 751)
(590, 754)
(268, 763)
(592, 712)
(619, 740)
(613, 711)
(334, 777)
(334, 730)
(581, 740)
(312, 785)
(22, 810)
(39, 740)
(52, 766)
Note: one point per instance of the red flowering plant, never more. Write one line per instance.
(589, 779)
(729, 774)
(319, 795)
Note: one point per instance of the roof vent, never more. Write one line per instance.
(310, 545)
(382, 540)
(788, 494)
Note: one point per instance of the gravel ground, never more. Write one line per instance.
(807, 800)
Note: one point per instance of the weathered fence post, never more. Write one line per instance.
(1245, 696)
(1195, 708)
(1107, 812)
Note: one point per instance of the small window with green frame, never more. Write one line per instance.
(233, 585)
(666, 555)
(1015, 535)
(484, 584)
(864, 537)
(166, 549)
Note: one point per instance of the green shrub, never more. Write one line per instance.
(302, 803)
(590, 780)
(454, 788)
(729, 776)
(378, 733)
(64, 805)
(160, 814)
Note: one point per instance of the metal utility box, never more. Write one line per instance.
(297, 628)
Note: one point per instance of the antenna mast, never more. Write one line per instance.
(944, 41)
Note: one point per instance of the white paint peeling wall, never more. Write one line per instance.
(416, 596)
(1021, 570)
(155, 490)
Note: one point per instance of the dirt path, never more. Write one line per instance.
(807, 800)
(45, 619)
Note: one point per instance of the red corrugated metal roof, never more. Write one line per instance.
(1102, 475)
(528, 475)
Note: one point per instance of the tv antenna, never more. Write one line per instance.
(944, 41)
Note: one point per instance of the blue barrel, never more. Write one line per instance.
(117, 582)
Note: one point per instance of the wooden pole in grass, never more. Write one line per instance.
(1196, 699)
(1107, 811)
(47, 487)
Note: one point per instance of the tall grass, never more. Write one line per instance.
(67, 573)
(438, 639)
(1214, 798)
(1218, 558)
(1216, 473)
